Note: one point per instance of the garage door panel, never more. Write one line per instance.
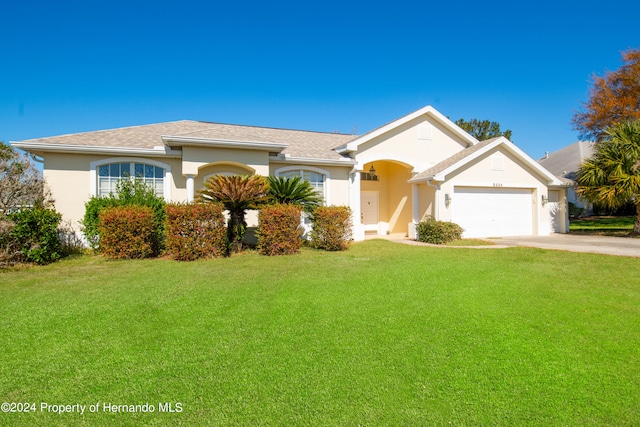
(488, 211)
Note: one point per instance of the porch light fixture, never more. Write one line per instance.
(447, 199)
(545, 199)
(372, 172)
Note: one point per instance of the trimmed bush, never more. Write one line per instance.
(331, 228)
(128, 232)
(279, 231)
(195, 231)
(128, 192)
(438, 232)
(34, 235)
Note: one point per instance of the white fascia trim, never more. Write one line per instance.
(353, 145)
(93, 175)
(92, 149)
(223, 143)
(312, 161)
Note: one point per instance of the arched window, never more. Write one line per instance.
(109, 174)
(316, 178)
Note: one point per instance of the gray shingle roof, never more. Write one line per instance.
(300, 143)
(447, 163)
(566, 161)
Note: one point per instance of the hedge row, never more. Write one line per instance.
(196, 231)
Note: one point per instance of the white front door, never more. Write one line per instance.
(369, 209)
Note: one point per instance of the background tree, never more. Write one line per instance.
(29, 226)
(237, 193)
(21, 184)
(483, 129)
(293, 191)
(612, 175)
(613, 98)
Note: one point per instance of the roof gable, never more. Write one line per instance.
(442, 170)
(428, 111)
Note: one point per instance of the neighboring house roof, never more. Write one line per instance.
(352, 146)
(154, 137)
(565, 162)
(440, 171)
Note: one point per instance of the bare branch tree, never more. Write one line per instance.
(21, 184)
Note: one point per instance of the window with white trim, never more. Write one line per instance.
(110, 174)
(316, 179)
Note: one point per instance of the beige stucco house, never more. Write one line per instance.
(419, 165)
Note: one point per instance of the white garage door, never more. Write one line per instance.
(493, 212)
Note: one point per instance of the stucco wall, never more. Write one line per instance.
(69, 178)
(420, 143)
(514, 174)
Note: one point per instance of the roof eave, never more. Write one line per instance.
(94, 149)
(312, 161)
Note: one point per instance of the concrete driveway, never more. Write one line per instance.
(622, 246)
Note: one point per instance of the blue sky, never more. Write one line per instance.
(74, 66)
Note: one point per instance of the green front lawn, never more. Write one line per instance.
(382, 334)
(609, 226)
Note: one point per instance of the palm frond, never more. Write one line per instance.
(612, 176)
(294, 191)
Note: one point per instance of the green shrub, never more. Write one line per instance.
(575, 211)
(195, 231)
(91, 219)
(128, 232)
(331, 228)
(279, 231)
(438, 232)
(34, 235)
(128, 192)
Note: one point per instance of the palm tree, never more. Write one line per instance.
(612, 176)
(237, 193)
(293, 191)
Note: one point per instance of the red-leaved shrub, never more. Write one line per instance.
(128, 232)
(331, 228)
(195, 231)
(279, 231)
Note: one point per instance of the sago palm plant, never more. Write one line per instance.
(237, 193)
(293, 191)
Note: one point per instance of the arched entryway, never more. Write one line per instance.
(385, 197)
